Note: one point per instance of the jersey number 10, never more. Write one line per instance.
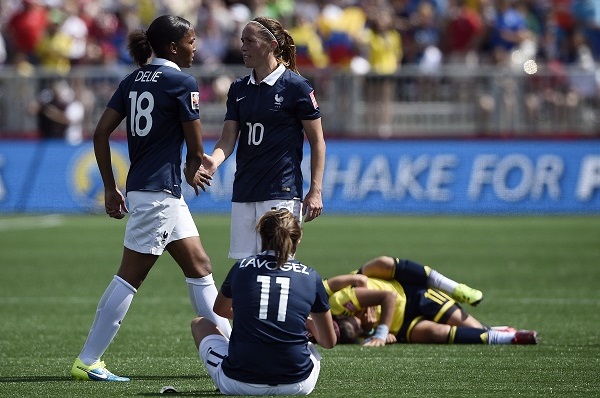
(255, 133)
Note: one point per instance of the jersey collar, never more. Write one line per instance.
(271, 79)
(165, 62)
(272, 252)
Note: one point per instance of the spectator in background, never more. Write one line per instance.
(426, 34)
(212, 45)
(26, 28)
(76, 29)
(57, 111)
(277, 9)
(508, 32)
(587, 16)
(382, 46)
(309, 46)
(464, 32)
(240, 15)
(340, 27)
(54, 49)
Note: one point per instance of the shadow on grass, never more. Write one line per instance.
(205, 393)
(34, 379)
(43, 379)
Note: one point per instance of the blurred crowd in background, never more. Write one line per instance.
(396, 45)
(377, 34)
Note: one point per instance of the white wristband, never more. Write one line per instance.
(382, 332)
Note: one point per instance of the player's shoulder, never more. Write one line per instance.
(176, 75)
(241, 81)
(295, 78)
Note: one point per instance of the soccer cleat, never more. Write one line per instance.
(95, 372)
(467, 295)
(525, 337)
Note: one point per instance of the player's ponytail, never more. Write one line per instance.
(139, 47)
(280, 232)
(163, 31)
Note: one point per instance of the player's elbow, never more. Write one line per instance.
(328, 341)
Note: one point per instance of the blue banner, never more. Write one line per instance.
(384, 177)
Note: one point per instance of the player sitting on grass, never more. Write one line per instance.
(273, 299)
(410, 303)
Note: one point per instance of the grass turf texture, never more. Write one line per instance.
(536, 272)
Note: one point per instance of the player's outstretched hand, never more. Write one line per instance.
(391, 339)
(373, 342)
(199, 180)
(209, 164)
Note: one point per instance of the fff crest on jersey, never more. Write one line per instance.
(278, 100)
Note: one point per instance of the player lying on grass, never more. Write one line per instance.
(403, 301)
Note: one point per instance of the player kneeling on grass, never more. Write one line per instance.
(408, 302)
(272, 300)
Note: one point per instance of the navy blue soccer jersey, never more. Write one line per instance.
(269, 149)
(270, 306)
(156, 99)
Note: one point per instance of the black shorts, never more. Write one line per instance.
(424, 303)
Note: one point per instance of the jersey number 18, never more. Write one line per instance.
(141, 109)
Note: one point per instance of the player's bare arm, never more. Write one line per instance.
(323, 329)
(313, 201)
(225, 144)
(223, 307)
(114, 201)
(387, 300)
(339, 282)
(192, 131)
(223, 148)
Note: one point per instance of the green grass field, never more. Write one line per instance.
(536, 272)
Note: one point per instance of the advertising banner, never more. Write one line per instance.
(361, 177)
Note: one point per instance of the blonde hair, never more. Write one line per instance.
(281, 232)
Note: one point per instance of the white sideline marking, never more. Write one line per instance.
(33, 222)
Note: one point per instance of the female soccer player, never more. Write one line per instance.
(269, 296)
(160, 103)
(410, 303)
(268, 113)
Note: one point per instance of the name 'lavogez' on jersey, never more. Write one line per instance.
(271, 264)
(152, 97)
(271, 134)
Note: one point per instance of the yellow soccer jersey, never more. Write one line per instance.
(344, 301)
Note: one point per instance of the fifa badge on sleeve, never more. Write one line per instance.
(195, 98)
